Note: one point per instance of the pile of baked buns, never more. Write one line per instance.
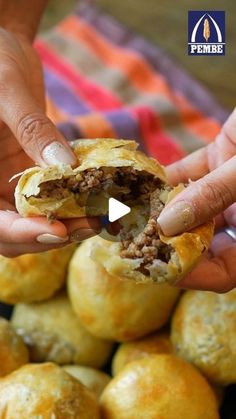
(86, 340)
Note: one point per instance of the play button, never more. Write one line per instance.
(117, 210)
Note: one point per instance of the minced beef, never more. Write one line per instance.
(136, 183)
(146, 245)
(129, 185)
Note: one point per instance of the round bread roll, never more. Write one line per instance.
(13, 352)
(203, 332)
(95, 380)
(54, 333)
(115, 308)
(45, 391)
(157, 343)
(114, 168)
(33, 277)
(160, 386)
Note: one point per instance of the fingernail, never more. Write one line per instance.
(82, 234)
(50, 239)
(176, 219)
(55, 153)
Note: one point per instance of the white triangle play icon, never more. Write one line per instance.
(116, 209)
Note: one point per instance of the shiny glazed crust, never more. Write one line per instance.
(33, 277)
(156, 343)
(95, 380)
(45, 391)
(13, 352)
(159, 386)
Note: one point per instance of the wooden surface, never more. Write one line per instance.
(164, 22)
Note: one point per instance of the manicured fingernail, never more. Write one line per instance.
(50, 239)
(82, 234)
(176, 219)
(55, 153)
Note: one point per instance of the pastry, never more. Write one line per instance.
(157, 343)
(45, 391)
(114, 307)
(203, 332)
(33, 277)
(53, 332)
(114, 168)
(160, 386)
(13, 351)
(92, 378)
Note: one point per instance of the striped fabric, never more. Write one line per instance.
(103, 81)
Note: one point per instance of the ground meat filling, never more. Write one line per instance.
(91, 179)
(129, 186)
(147, 245)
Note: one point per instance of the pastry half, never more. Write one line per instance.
(115, 168)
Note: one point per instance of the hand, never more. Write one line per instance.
(212, 195)
(28, 136)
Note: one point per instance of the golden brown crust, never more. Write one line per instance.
(45, 391)
(54, 333)
(157, 343)
(203, 332)
(189, 247)
(94, 380)
(33, 277)
(160, 386)
(91, 154)
(112, 307)
(13, 352)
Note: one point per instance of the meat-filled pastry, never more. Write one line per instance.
(92, 378)
(159, 387)
(34, 276)
(45, 391)
(114, 168)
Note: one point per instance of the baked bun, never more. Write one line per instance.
(203, 332)
(13, 352)
(157, 343)
(45, 391)
(160, 386)
(114, 168)
(113, 307)
(33, 277)
(54, 333)
(95, 380)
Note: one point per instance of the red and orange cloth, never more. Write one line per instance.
(103, 81)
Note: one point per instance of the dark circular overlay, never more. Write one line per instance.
(135, 221)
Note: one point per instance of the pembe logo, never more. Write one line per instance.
(206, 32)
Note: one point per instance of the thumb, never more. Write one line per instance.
(201, 201)
(37, 135)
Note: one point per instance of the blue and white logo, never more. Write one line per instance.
(206, 32)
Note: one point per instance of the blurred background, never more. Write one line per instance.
(164, 23)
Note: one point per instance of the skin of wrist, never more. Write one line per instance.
(21, 17)
(20, 32)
